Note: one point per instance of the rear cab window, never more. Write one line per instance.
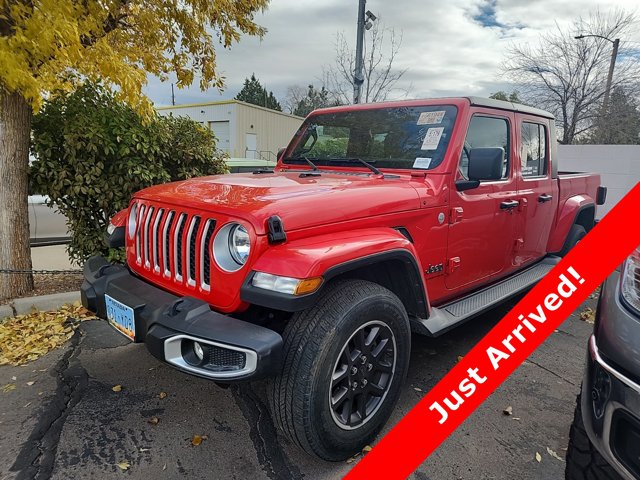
(392, 137)
(534, 156)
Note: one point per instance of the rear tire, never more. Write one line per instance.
(576, 234)
(325, 353)
(583, 460)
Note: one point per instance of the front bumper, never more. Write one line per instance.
(234, 350)
(611, 388)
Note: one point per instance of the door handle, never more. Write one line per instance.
(509, 204)
(545, 197)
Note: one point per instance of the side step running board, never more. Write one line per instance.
(445, 317)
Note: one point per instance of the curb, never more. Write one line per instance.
(21, 306)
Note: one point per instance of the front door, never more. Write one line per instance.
(482, 230)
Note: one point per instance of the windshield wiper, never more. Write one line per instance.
(311, 164)
(359, 160)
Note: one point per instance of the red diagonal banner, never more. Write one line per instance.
(506, 346)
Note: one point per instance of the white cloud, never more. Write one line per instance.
(446, 48)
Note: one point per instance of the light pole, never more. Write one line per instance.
(614, 55)
(365, 22)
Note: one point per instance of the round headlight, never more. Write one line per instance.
(231, 247)
(133, 218)
(239, 244)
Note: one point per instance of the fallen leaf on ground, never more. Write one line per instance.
(27, 337)
(588, 315)
(538, 457)
(123, 465)
(14, 378)
(162, 395)
(417, 389)
(516, 418)
(30, 383)
(164, 467)
(8, 387)
(117, 388)
(554, 454)
(508, 410)
(460, 357)
(142, 450)
(153, 420)
(26, 404)
(197, 440)
(366, 449)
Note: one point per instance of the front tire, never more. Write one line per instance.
(583, 460)
(345, 360)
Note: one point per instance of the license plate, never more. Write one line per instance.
(121, 317)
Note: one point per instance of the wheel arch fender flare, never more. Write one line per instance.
(579, 209)
(383, 255)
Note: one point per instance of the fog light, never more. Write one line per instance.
(197, 349)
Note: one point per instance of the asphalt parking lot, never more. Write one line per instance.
(71, 424)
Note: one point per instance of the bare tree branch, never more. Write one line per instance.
(567, 76)
(380, 77)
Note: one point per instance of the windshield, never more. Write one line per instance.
(402, 137)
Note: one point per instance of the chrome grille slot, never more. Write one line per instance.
(205, 255)
(177, 247)
(191, 255)
(156, 226)
(166, 232)
(147, 221)
(139, 234)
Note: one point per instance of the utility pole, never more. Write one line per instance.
(607, 92)
(358, 77)
(614, 55)
(173, 96)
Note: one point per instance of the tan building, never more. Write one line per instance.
(243, 130)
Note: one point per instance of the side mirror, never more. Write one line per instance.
(486, 163)
(280, 153)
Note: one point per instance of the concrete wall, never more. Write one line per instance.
(273, 129)
(618, 165)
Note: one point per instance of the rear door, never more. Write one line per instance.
(481, 231)
(537, 191)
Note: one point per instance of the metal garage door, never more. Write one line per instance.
(222, 133)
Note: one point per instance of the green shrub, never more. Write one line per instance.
(93, 152)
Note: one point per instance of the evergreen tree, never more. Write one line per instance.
(507, 97)
(621, 124)
(253, 92)
(313, 100)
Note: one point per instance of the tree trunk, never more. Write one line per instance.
(15, 131)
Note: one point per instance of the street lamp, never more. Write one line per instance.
(614, 55)
(365, 22)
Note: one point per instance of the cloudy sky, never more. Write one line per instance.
(450, 47)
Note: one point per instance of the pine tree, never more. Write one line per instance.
(253, 92)
(621, 124)
(313, 100)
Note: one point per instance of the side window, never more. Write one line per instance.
(485, 132)
(533, 157)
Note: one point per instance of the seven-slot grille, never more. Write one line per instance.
(175, 245)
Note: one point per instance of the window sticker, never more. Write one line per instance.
(422, 162)
(432, 138)
(429, 118)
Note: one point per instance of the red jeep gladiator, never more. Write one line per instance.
(377, 221)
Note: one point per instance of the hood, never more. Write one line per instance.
(300, 202)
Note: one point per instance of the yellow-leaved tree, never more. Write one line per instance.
(51, 45)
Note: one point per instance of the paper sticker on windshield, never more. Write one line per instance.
(432, 138)
(422, 162)
(429, 118)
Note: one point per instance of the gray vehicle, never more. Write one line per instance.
(47, 226)
(605, 435)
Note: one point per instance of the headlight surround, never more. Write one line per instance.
(630, 281)
(132, 221)
(231, 247)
